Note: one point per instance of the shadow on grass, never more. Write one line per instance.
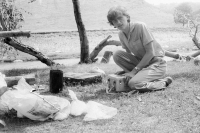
(100, 95)
(15, 124)
(18, 72)
(98, 122)
(190, 76)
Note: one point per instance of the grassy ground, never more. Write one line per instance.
(175, 109)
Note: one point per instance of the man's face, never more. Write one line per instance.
(120, 22)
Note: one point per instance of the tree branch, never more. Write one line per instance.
(29, 50)
(195, 38)
(101, 45)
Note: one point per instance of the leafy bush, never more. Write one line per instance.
(11, 19)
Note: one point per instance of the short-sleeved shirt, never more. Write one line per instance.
(138, 37)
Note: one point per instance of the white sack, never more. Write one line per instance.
(93, 110)
(35, 106)
(77, 107)
(2, 81)
(97, 111)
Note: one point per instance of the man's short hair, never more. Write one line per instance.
(116, 11)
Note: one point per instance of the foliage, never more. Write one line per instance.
(179, 17)
(11, 15)
(11, 20)
(183, 14)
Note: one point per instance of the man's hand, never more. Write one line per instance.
(196, 61)
(129, 75)
(120, 72)
(188, 58)
(185, 58)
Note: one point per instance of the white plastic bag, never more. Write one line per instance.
(3, 84)
(28, 105)
(97, 70)
(3, 108)
(93, 110)
(35, 106)
(99, 111)
(60, 103)
(77, 107)
(63, 113)
(23, 86)
(2, 80)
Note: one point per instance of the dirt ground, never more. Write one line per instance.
(65, 45)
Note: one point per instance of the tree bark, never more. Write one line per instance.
(195, 38)
(15, 33)
(82, 33)
(106, 56)
(4, 28)
(29, 50)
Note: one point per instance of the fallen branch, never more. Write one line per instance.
(101, 45)
(15, 33)
(29, 50)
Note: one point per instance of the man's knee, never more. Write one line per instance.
(116, 55)
(133, 83)
(137, 85)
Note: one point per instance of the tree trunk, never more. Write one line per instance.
(195, 38)
(82, 33)
(4, 28)
(15, 33)
(29, 50)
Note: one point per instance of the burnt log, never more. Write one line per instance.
(30, 50)
(101, 45)
(106, 56)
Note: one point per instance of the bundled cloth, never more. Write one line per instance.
(34, 106)
(3, 88)
(92, 110)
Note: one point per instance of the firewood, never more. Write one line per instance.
(15, 33)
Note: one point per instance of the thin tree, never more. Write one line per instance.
(82, 33)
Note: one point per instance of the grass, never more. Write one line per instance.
(175, 109)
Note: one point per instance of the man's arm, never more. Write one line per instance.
(147, 57)
(172, 54)
(144, 62)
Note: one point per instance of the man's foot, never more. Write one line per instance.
(168, 80)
